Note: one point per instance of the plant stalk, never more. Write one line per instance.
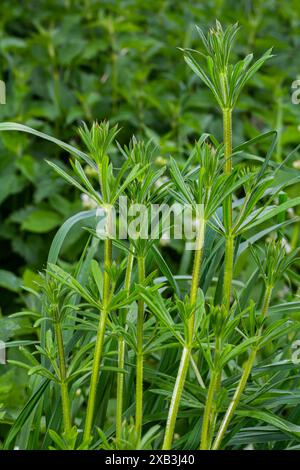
(227, 137)
(228, 272)
(139, 354)
(195, 283)
(99, 341)
(209, 418)
(243, 380)
(186, 352)
(208, 412)
(121, 358)
(176, 396)
(227, 209)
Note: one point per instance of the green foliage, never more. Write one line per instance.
(146, 324)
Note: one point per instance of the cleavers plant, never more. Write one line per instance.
(131, 355)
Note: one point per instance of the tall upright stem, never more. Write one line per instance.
(186, 352)
(139, 354)
(209, 418)
(227, 209)
(65, 399)
(99, 341)
(209, 410)
(121, 357)
(244, 378)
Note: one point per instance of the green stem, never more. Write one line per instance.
(139, 354)
(195, 283)
(176, 396)
(66, 407)
(227, 137)
(65, 399)
(121, 359)
(207, 417)
(228, 271)
(215, 381)
(295, 235)
(236, 398)
(227, 210)
(267, 299)
(243, 380)
(279, 129)
(186, 352)
(99, 342)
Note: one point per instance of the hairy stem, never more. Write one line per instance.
(236, 398)
(65, 399)
(228, 269)
(99, 341)
(295, 235)
(176, 396)
(121, 358)
(195, 283)
(209, 416)
(227, 210)
(186, 352)
(139, 354)
(243, 380)
(227, 137)
(215, 380)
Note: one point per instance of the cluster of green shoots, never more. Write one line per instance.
(119, 326)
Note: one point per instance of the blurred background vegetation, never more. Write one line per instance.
(68, 61)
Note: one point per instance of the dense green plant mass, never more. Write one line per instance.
(143, 343)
